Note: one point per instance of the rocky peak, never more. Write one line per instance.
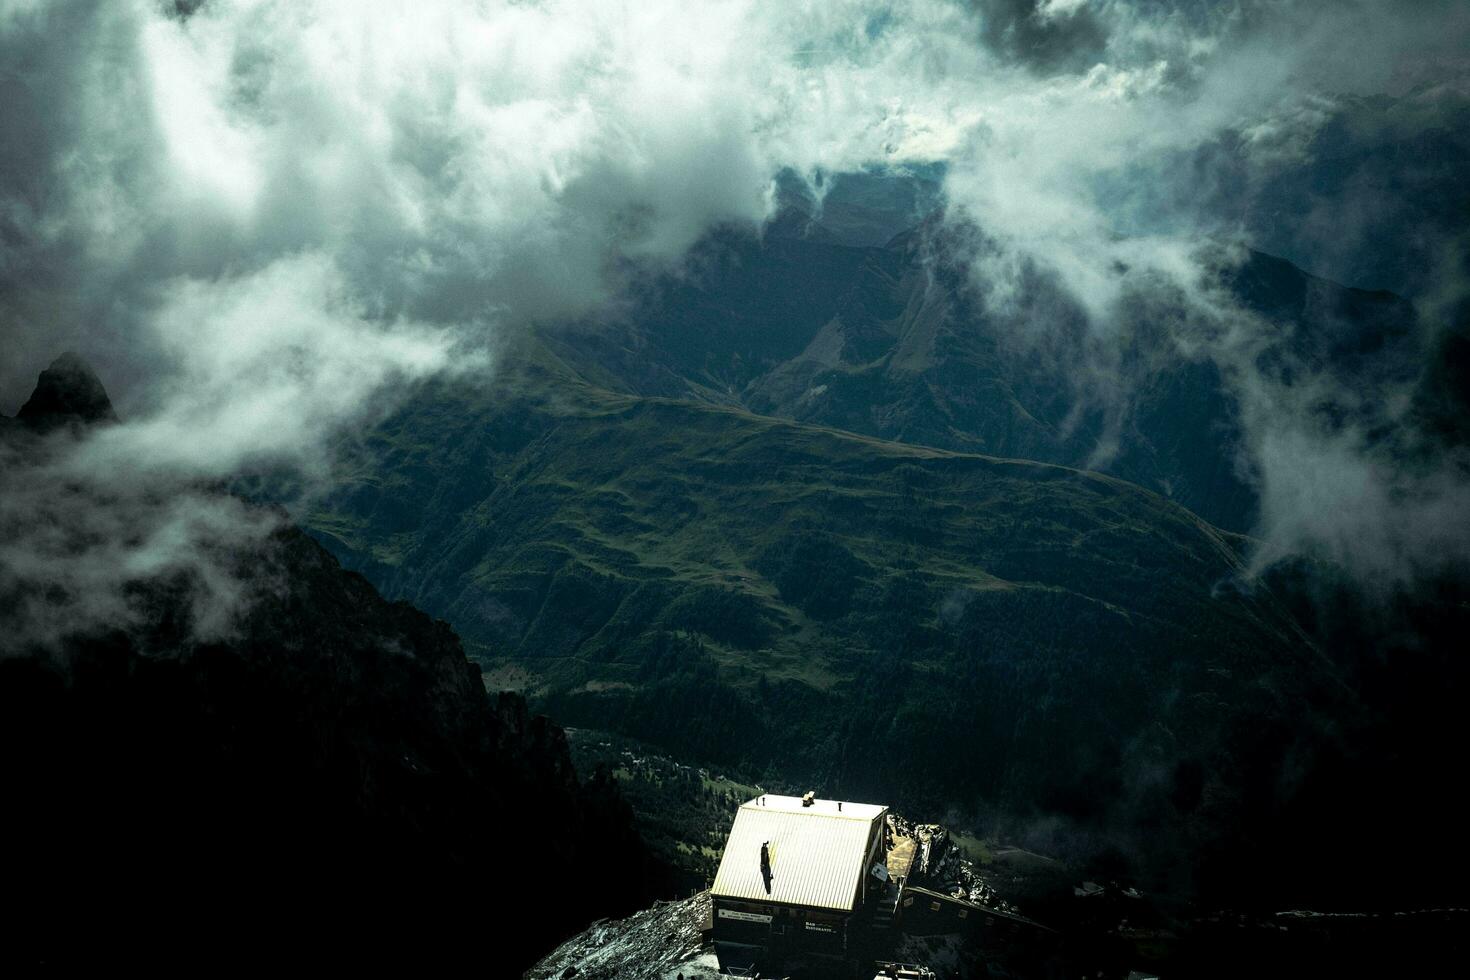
(67, 393)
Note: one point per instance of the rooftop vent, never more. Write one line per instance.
(809, 798)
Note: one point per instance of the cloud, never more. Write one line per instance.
(1337, 496)
(460, 164)
(482, 162)
(1102, 181)
(1346, 469)
(82, 553)
(267, 366)
(1047, 35)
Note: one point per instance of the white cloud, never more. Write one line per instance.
(1055, 9)
(267, 366)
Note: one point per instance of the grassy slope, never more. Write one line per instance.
(924, 627)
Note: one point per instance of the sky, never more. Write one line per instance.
(262, 220)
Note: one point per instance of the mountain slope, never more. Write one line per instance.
(898, 342)
(326, 780)
(843, 592)
(748, 589)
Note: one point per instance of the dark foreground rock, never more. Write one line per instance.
(660, 943)
(324, 782)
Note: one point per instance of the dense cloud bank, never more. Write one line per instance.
(263, 220)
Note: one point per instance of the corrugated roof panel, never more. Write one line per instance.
(818, 854)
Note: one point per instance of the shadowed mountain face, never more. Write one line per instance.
(326, 783)
(1373, 198)
(67, 393)
(898, 342)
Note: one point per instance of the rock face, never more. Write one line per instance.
(328, 781)
(67, 393)
(660, 943)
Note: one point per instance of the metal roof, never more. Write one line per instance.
(818, 853)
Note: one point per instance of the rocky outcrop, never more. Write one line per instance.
(326, 781)
(660, 943)
(67, 393)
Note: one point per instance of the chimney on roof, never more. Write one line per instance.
(809, 798)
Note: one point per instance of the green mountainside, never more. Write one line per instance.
(889, 621)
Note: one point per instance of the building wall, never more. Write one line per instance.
(747, 932)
